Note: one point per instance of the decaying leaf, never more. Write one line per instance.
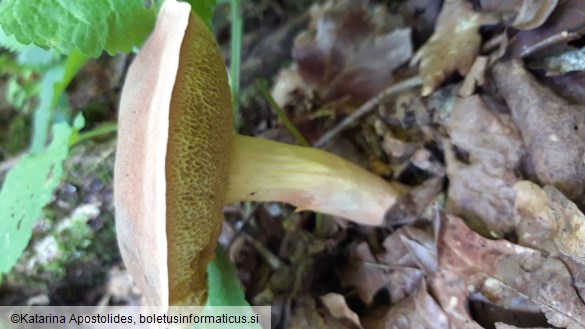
(534, 13)
(421, 15)
(453, 46)
(451, 292)
(337, 306)
(362, 273)
(536, 227)
(396, 253)
(553, 130)
(368, 276)
(480, 188)
(565, 23)
(411, 205)
(513, 269)
(421, 247)
(547, 218)
(521, 312)
(287, 82)
(305, 315)
(502, 7)
(570, 86)
(548, 221)
(420, 310)
(351, 51)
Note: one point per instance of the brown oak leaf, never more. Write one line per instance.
(453, 46)
(351, 50)
(481, 188)
(552, 128)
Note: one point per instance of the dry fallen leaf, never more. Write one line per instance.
(553, 130)
(337, 306)
(453, 46)
(412, 204)
(565, 23)
(547, 218)
(419, 311)
(351, 51)
(451, 292)
(548, 221)
(421, 15)
(421, 246)
(534, 13)
(368, 276)
(510, 271)
(362, 274)
(305, 315)
(287, 82)
(480, 188)
(502, 7)
(570, 86)
(522, 312)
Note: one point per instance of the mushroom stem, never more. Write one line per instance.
(308, 178)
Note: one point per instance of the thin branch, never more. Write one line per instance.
(367, 107)
(555, 39)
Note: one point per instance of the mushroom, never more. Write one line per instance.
(178, 163)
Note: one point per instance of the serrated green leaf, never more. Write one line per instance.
(9, 42)
(28, 187)
(87, 25)
(29, 56)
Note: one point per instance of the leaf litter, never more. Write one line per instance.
(488, 149)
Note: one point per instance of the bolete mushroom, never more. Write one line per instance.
(178, 163)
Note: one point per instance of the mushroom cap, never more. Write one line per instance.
(172, 158)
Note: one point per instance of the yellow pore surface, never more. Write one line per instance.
(197, 163)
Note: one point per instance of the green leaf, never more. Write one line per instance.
(225, 289)
(9, 42)
(53, 85)
(203, 8)
(28, 187)
(236, 58)
(224, 284)
(29, 56)
(87, 25)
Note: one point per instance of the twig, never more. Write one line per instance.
(387, 267)
(564, 36)
(415, 81)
